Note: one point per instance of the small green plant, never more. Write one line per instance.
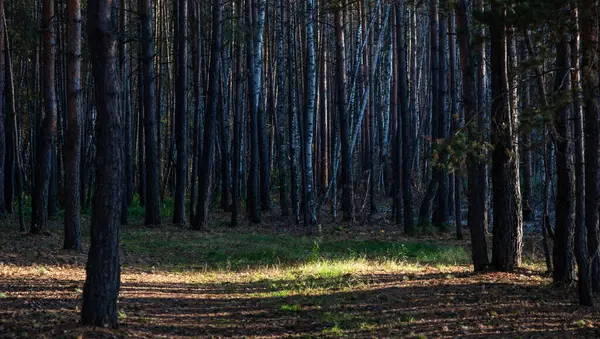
(315, 251)
(294, 308)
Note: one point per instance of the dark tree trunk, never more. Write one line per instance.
(404, 127)
(207, 167)
(584, 281)
(565, 207)
(103, 272)
(310, 213)
(150, 116)
(293, 121)
(237, 124)
(43, 171)
(181, 124)
(507, 232)
(282, 156)
(73, 140)
(4, 137)
(476, 195)
(589, 64)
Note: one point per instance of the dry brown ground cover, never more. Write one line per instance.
(253, 282)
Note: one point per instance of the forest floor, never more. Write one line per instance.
(271, 282)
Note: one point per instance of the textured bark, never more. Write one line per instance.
(477, 220)
(456, 178)
(181, 113)
(3, 135)
(588, 23)
(507, 232)
(254, 54)
(102, 283)
(205, 180)
(441, 215)
(39, 220)
(404, 125)
(584, 281)
(344, 116)
(73, 140)
(282, 155)
(310, 213)
(293, 122)
(565, 207)
(152, 201)
(237, 125)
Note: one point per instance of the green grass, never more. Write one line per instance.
(182, 249)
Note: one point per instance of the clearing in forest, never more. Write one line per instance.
(252, 282)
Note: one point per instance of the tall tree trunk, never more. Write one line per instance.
(254, 56)
(564, 208)
(43, 171)
(281, 116)
(102, 283)
(150, 116)
(477, 217)
(310, 214)
(404, 126)
(441, 215)
(507, 232)
(237, 120)
(181, 124)
(73, 141)
(343, 115)
(584, 277)
(4, 137)
(588, 23)
(293, 121)
(210, 124)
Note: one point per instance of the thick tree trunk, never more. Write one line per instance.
(73, 140)
(565, 207)
(237, 123)
(507, 232)
(588, 23)
(43, 171)
(102, 283)
(181, 113)
(293, 121)
(152, 201)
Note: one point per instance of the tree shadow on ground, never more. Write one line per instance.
(383, 305)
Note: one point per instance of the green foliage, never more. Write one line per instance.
(294, 308)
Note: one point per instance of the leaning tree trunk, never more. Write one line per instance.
(73, 141)
(103, 272)
(150, 116)
(39, 220)
(507, 232)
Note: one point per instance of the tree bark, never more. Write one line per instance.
(181, 123)
(39, 221)
(102, 283)
(152, 201)
(507, 232)
(73, 141)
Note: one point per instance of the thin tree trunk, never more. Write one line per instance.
(310, 214)
(181, 113)
(73, 141)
